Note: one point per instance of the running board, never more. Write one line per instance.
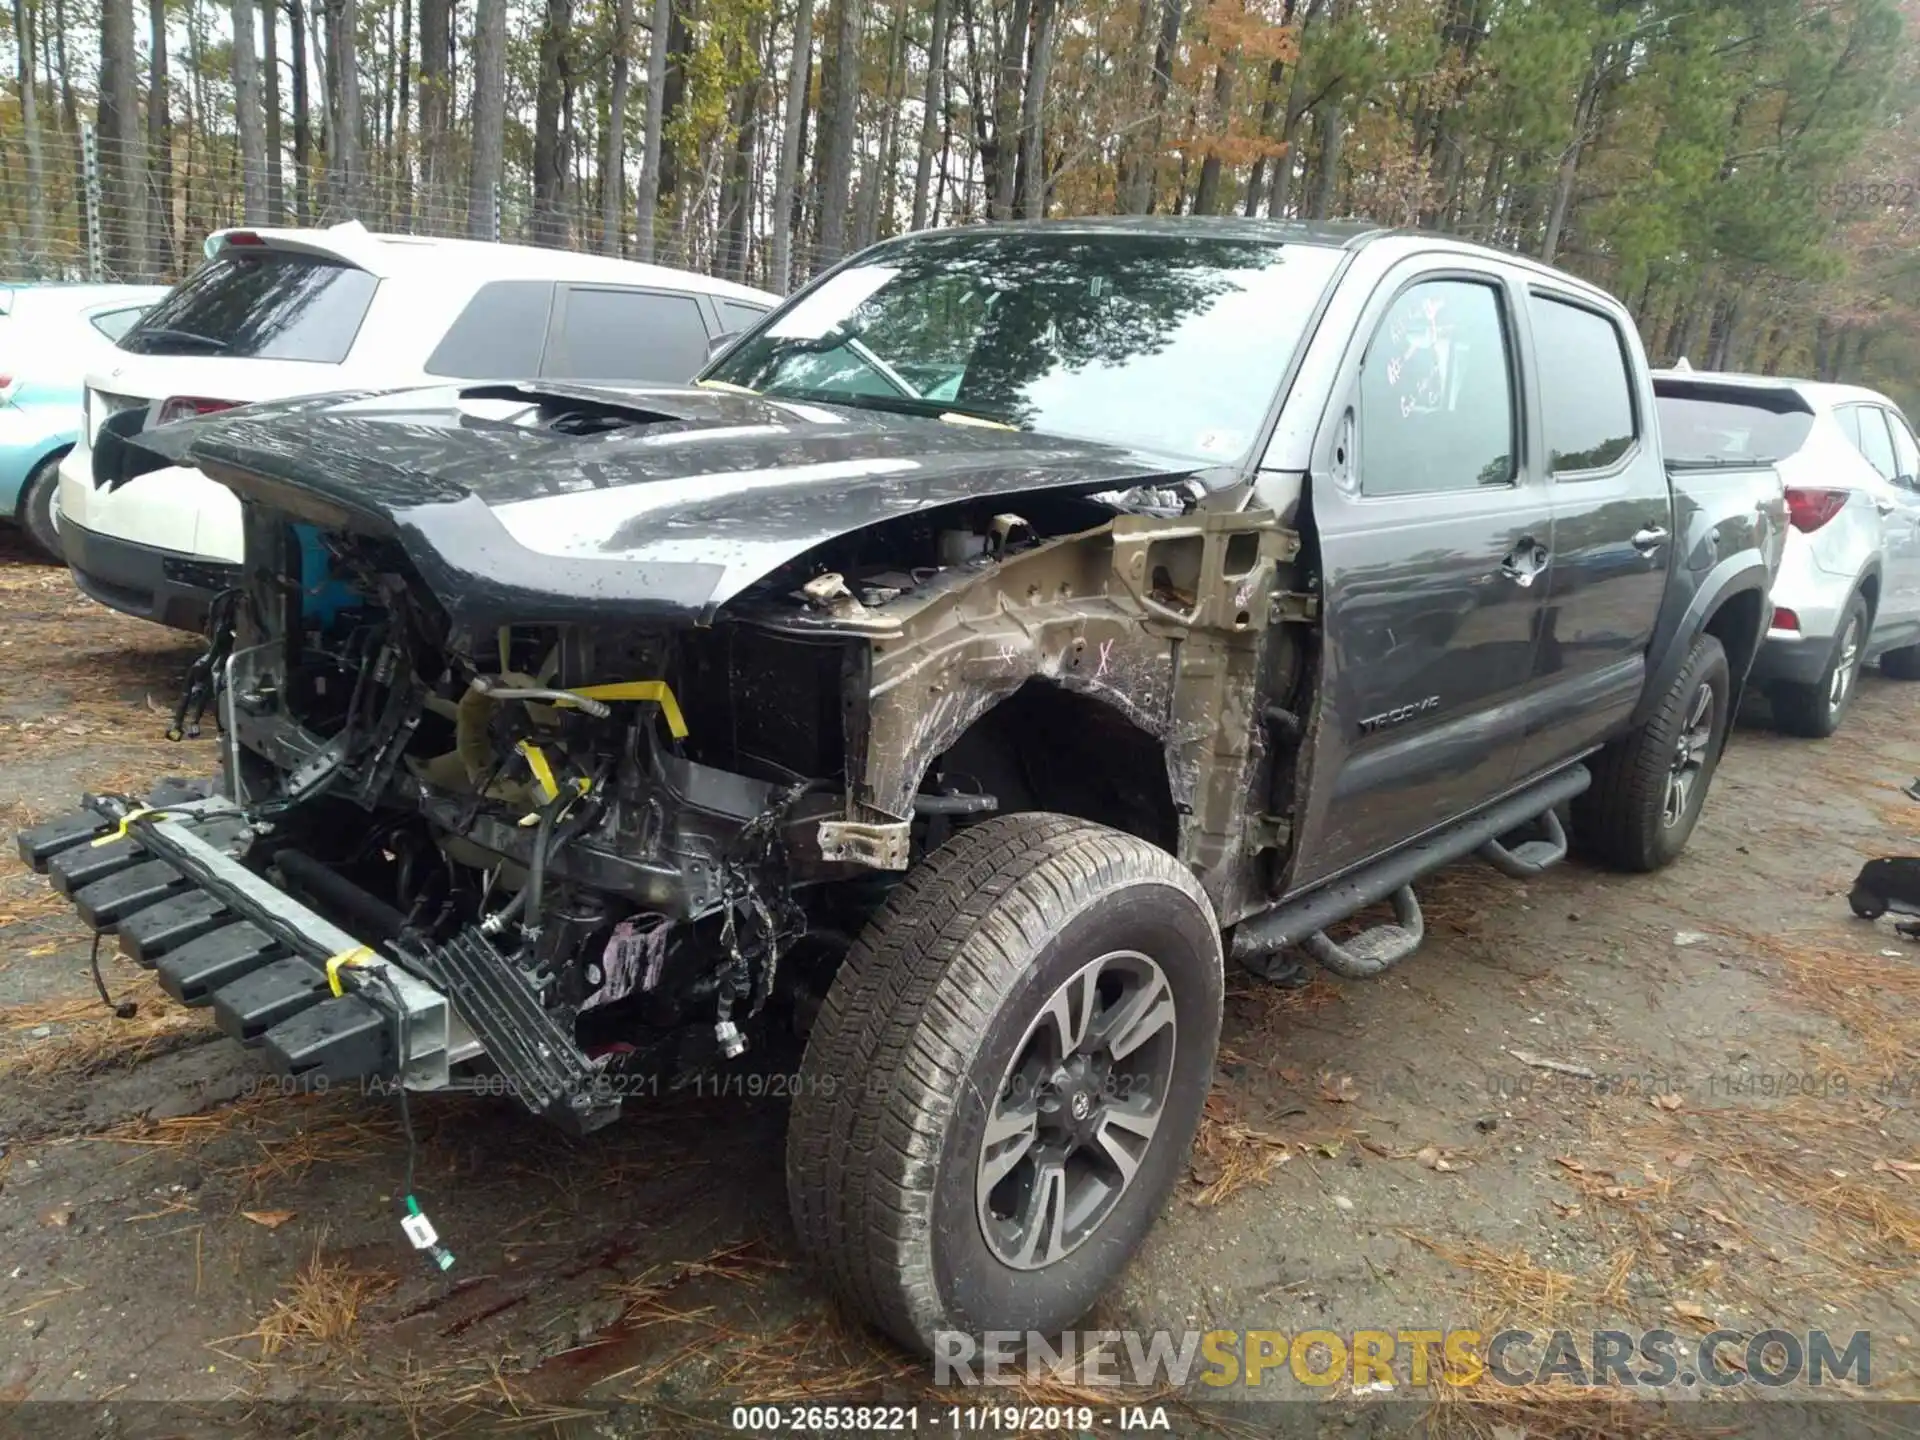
(1527, 858)
(1292, 921)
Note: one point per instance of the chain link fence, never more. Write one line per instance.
(77, 206)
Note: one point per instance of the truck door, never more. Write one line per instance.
(1612, 527)
(1434, 544)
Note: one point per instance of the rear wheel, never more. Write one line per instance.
(1006, 1078)
(1816, 710)
(1648, 786)
(36, 507)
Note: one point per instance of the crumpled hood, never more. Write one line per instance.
(538, 500)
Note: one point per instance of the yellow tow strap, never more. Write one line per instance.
(657, 691)
(119, 832)
(359, 955)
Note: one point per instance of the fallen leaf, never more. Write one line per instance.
(1688, 1310)
(1574, 1165)
(60, 1217)
(1328, 1149)
(1614, 1192)
(1431, 1157)
(1291, 1076)
(1726, 1247)
(1660, 1249)
(1666, 1102)
(1838, 1174)
(1565, 1209)
(1337, 1092)
(1713, 1214)
(272, 1219)
(1680, 1159)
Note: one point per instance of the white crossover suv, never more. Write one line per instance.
(274, 314)
(1848, 592)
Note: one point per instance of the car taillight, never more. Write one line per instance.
(187, 407)
(1808, 510)
(6, 388)
(1785, 619)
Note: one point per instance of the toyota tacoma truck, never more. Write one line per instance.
(1017, 627)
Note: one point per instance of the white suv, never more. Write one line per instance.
(1848, 591)
(279, 313)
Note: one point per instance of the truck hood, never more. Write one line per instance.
(545, 501)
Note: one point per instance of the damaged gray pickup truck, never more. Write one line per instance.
(1014, 628)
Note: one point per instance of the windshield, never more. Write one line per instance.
(1705, 424)
(259, 305)
(1165, 343)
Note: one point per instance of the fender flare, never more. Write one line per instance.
(1735, 575)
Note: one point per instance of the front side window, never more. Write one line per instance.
(1174, 345)
(628, 335)
(259, 304)
(1436, 393)
(1586, 390)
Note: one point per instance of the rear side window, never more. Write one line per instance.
(628, 335)
(1436, 393)
(1875, 443)
(1706, 424)
(499, 336)
(259, 305)
(115, 323)
(1586, 395)
(736, 316)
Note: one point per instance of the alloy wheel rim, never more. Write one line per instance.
(1076, 1111)
(1689, 757)
(1845, 667)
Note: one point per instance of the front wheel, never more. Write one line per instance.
(1649, 785)
(1005, 1079)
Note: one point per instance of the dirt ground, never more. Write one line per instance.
(1741, 1153)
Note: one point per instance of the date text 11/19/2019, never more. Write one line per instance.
(952, 1419)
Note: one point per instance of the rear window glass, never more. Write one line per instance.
(1729, 425)
(259, 305)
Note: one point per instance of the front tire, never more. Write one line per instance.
(1005, 1080)
(1816, 710)
(1648, 786)
(36, 508)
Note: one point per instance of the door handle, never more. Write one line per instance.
(1649, 539)
(1525, 562)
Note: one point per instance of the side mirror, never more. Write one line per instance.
(720, 342)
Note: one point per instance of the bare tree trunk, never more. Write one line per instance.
(613, 159)
(1003, 157)
(1330, 121)
(343, 120)
(160, 147)
(1208, 197)
(69, 104)
(936, 105)
(1140, 200)
(549, 106)
(1033, 159)
(1269, 107)
(792, 133)
(1570, 162)
(736, 193)
(839, 97)
(489, 115)
(249, 119)
(647, 203)
(436, 106)
(302, 115)
(876, 185)
(122, 146)
(270, 53)
(23, 35)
